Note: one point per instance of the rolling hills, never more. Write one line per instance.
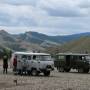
(13, 42)
(40, 42)
(81, 45)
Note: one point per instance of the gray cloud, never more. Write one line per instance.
(84, 4)
(47, 16)
(7, 20)
(65, 12)
(20, 2)
(63, 8)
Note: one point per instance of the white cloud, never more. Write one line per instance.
(48, 16)
(23, 12)
(63, 8)
(84, 4)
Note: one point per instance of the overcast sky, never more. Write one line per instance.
(52, 17)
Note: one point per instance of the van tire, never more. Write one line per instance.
(80, 70)
(67, 69)
(28, 72)
(61, 69)
(86, 70)
(34, 72)
(19, 72)
(46, 73)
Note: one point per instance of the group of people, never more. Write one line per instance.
(5, 63)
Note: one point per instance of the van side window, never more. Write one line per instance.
(18, 57)
(24, 57)
(29, 57)
(34, 57)
(61, 57)
(80, 57)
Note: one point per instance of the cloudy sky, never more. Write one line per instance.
(52, 17)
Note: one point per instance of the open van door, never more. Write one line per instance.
(68, 59)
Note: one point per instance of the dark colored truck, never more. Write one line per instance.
(64, 62)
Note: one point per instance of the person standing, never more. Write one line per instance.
(15, 64)
(5, 64)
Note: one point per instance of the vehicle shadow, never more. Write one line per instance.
(41, 75)
(73, 72)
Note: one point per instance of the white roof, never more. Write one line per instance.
(30, 53)
(74, 54)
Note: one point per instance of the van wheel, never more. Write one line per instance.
(61, 69)
(86, 70)
(47, 73)
(34, 72)
(67, 69)
(28, 72)
(19, 72)
(80, 70)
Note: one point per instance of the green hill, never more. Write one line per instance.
(82, 45)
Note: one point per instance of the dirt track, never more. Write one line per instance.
(57, 81)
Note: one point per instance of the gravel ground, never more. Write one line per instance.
(56, 81)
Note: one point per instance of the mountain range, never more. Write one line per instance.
(38, 41)
(39, 38)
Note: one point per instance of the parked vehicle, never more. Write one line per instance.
(67, 61)
(33, 63)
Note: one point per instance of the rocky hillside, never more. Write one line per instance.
(39, 38)
(38, 41)
(14, 43)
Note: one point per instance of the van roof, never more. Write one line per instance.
(74, 54)
(30, 53)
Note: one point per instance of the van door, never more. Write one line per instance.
(24, 62)
(19, 62)
(32, 62)
(68, 60)
(29, 62)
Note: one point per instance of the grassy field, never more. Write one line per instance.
(56, 81)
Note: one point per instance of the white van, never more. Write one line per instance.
(33, 63)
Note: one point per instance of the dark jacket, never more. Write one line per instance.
(15, 62)
(5, 62)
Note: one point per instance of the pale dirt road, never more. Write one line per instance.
(57, 81)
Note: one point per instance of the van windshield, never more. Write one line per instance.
(88, 58)
(45, 58)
